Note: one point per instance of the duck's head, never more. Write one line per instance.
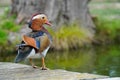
(38, 20)
(42, 18)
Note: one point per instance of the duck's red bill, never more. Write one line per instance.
(48, 23)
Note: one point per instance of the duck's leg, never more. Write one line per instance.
(33, 65)
(43, 64)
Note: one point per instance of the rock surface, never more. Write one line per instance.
(12, 71)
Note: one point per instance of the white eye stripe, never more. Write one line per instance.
(38, 16)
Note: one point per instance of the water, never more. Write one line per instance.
(104, 60)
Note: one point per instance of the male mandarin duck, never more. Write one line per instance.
(36, 43)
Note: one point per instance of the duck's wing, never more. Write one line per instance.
(39, 43)
(31, 42)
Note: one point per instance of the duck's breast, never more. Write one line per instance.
(44, 43)
(33, 54)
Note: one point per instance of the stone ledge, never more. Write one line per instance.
(12, 71)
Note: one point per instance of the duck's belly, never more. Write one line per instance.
(37, 55)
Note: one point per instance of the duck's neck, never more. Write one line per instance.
(46, 31)
(40, 29)
(43, 30)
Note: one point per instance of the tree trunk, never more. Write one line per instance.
(58, 11)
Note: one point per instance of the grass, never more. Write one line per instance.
(103, 9)
(71, 36)
(105, 1)
(105, 12)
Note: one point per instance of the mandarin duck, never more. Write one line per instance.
(36, 43)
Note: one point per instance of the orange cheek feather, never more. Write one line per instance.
(36, 24)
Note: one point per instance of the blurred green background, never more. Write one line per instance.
(74, 52)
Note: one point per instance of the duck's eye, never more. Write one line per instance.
(43, 17)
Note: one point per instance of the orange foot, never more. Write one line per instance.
(35, 67)
(44, 68)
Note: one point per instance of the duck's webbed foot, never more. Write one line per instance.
(43, 65)
(32, 63)
(44, 68)
(34, 66)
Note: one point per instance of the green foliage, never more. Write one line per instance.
(7, 25)
(107, 20)
(3, 37)
(108, 28)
